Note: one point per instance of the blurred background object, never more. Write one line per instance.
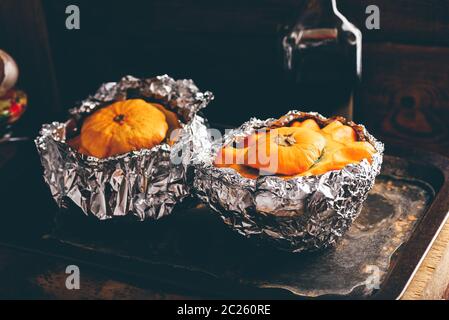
(9, 72)
(12, 102)
(233, 48)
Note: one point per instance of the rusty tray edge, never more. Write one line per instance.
(415, 250)
(410, 280)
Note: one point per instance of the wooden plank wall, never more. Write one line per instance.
(232, 48)
(406, 79)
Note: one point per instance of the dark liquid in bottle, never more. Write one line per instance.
(322, 71)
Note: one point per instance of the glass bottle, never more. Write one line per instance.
(323, 61)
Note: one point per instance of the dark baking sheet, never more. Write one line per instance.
(196, 240)
(194, 249)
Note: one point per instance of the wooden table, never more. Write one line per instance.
(431, 280)
(29, 275)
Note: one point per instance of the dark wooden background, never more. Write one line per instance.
(232, 48)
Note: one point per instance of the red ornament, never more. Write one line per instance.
(15, 109)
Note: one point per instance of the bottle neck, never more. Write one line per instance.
(320, 13)
(322, 5)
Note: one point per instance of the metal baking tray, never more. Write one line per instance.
(194, 250)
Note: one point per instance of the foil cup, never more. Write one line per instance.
(296, 215)
(145, 184)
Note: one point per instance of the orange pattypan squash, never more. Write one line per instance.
(123, 127)
(355, 152)
(351, 153)
(334, 125)
(285, 151)
(307, 124)
(303, 149)
(228, 156)
(173, 123)
(75, 143)
(340, 132)
(235, 154)
(245, 171)
(342, 148)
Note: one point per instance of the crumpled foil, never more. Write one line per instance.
(296, 215)
(146, 184)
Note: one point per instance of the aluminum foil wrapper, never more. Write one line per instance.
(296, 215)
(145, 184)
